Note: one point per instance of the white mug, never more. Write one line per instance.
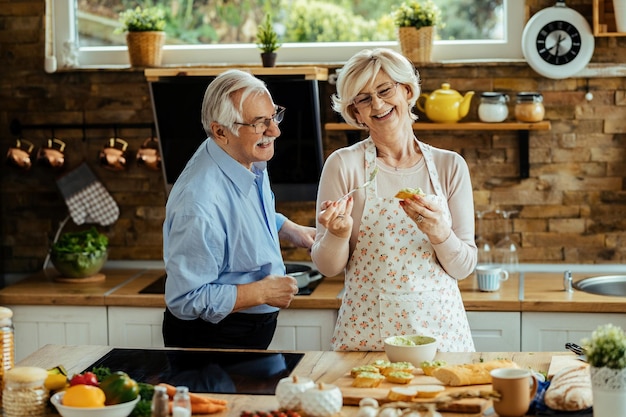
(489, 277)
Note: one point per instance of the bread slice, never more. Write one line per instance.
(365, 368)
(570, 389)
(398, 366)
(402, 393)
(409, 192)
(367, 380)
(429, 391)
(470, 374)
(399, 377)
(429, 366)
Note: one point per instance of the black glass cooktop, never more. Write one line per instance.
(223, 372)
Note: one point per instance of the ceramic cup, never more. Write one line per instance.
(517, 387)
(489, 277)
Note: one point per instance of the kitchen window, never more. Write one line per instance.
(66, 49)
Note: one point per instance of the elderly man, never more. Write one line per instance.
(225, 275)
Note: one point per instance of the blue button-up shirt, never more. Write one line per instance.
(220, 230)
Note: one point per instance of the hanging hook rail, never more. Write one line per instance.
(16, 127)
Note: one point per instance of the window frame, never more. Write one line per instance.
(61, 37)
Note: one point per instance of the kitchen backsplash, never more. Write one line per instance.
(570, 208)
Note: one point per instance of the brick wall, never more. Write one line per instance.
(571, 208)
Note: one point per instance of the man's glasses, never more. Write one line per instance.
(263, 125)
(385, 91)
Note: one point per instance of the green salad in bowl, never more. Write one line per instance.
(80, 254)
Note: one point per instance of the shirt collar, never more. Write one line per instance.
(237, 173)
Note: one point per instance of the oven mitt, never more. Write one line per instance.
(86, 198)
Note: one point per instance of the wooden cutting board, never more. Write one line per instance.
(561, 362)
(353, 395)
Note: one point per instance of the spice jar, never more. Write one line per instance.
(7, 346)
(24, 393)
(529, 107)
(493, 107)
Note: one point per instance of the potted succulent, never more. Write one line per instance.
(606, 353)
(416, 21)
(267, 41)
(145, 35)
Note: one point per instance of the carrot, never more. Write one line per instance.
(194, 397)
(202, 408)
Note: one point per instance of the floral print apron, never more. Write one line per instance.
(394, 284)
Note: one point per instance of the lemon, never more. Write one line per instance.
(87, 396)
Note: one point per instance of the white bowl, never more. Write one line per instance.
(117, 410)
(423, 348)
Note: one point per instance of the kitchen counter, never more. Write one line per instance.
(527, 291)
(324, 367)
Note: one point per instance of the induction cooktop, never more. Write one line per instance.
(225, 372)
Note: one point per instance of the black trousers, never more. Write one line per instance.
(235, 331)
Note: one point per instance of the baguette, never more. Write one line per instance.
(570, 389)
(470, 374)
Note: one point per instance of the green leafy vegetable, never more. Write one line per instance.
(87, 241)
(143, 407)
(101, 372)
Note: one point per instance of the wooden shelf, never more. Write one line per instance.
(523, 130)
(604, 19)
(543, 125)
(308, 73)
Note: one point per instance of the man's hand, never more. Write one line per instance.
(274, 290)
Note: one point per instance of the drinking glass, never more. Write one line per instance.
(484, 245)
(506, 251)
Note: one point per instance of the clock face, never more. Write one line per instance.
(557, 42)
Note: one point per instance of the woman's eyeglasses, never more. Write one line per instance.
(263, 125)
(385, 91)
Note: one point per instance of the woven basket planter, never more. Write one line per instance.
(145, 49)
(416, 44)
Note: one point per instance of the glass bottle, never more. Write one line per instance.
(7, 346)
(484, 245)
(160, 402)
(529, 107)
(507, 252)
(24, 393)
(493, 107)
(181, 405)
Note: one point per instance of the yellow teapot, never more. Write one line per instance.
(445, 105)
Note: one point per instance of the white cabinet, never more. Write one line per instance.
(36, 326)
(136, 326)
(495, 331)
(545, 332)
(304, 329)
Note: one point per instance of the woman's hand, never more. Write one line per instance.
(336, 216)
(429, 217)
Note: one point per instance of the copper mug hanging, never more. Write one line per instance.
(52, 155)
(148, 155)
(20, 155)
(113, 155)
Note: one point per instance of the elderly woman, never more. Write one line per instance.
(401, 257)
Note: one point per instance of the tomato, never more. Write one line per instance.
(119, 388)
(86, 378)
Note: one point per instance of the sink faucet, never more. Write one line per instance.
(567, 281)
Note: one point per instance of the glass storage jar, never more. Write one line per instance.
(24, 392)
(529, 107)
(7, 345)
(493, 107)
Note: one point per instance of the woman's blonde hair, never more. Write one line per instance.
(362, 68)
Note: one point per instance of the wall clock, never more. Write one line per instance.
(557, 41)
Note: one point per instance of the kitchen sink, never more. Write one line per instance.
(614, 285)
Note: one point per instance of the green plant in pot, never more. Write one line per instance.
(80, 254)
(606, 353)
(145, 35)
(267, 41)
(416, 21)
